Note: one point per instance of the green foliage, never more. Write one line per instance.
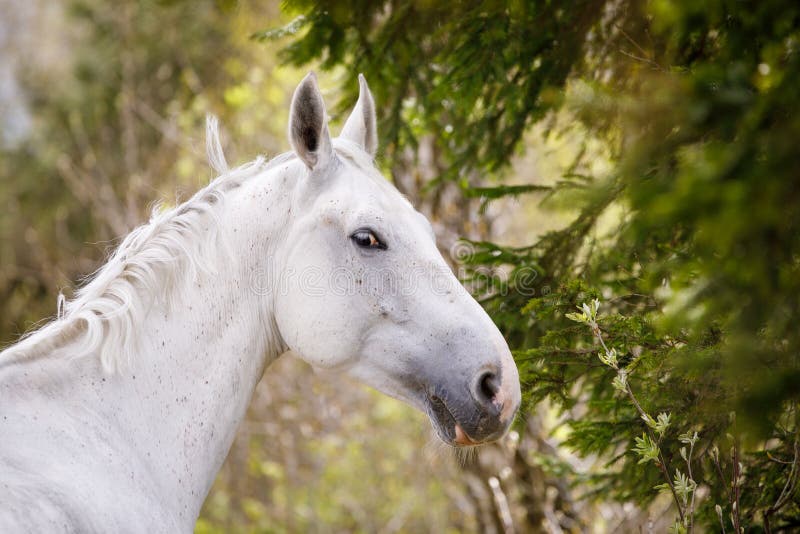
(696, 105)
(449, 68)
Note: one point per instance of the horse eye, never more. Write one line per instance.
(367, 239)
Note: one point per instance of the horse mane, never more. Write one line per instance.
(153, 262)
(155, 258)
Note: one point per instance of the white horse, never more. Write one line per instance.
(117, 415)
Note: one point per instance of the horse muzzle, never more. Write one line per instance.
(476, 412)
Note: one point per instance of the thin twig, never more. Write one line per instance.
(715, 459)
(662, 463)
(735, 483)
(690, 511)
(642, 59)
(630, 39)
(788, 488)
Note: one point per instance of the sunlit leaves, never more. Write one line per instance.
(658, 425)
(646, 449)
(699, 279)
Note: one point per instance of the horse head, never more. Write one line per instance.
(371, 295)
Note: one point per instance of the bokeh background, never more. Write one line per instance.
(643, 153)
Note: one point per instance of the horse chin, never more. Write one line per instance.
(447, 427)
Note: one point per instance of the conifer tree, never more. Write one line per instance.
(675, 332)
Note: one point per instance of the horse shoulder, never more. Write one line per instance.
(31, 503)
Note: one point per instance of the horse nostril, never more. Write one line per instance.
(488, 386)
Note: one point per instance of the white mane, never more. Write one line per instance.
(150, 263)
(155, 261)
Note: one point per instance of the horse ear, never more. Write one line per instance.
(360, 126)
(308, 125)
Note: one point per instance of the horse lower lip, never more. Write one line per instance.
(442, 418)
(449, 424)
(462, 438)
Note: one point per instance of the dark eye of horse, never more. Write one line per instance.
(367, 239)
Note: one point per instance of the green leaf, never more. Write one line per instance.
(503, 191)
(646, 449)
(577, 317)
(292, 28)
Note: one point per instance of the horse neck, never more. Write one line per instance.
(189, 386)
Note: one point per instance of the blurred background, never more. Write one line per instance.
(640, 153)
